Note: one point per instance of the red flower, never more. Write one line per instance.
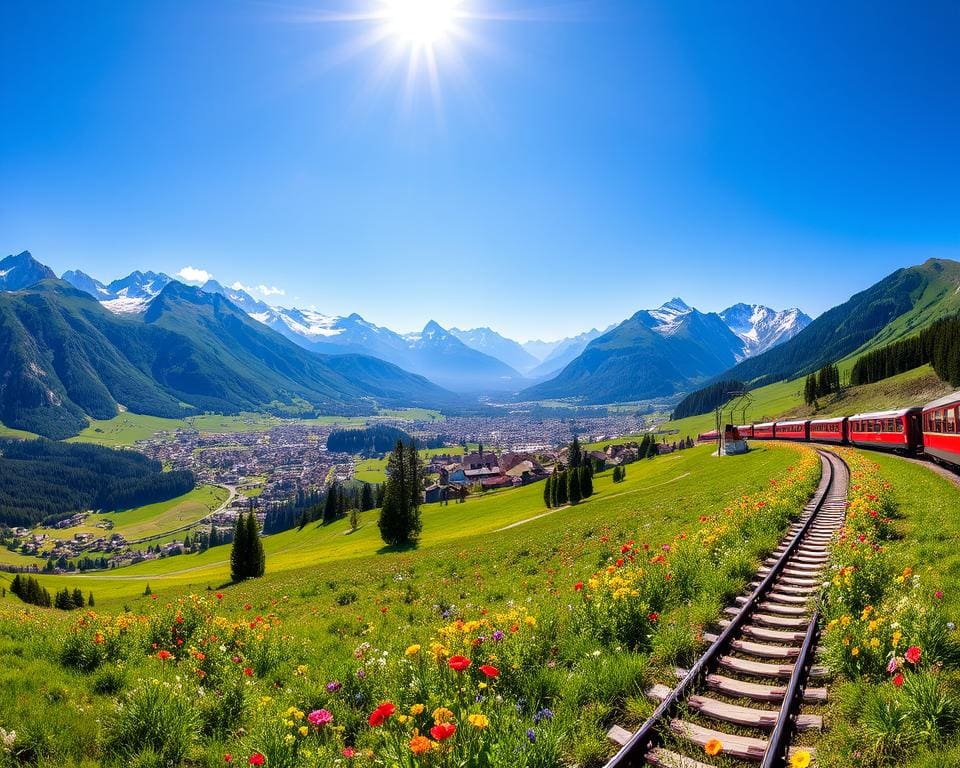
(490, 671)
(257, 759)
(443, 731)
(228, 758)
(219, 595)
(938, 595)
(458, 663)
(164, 655)
(898, 679)
(653, 616)
(380, 715)
(248, 671)
(578, 586)
(913, 654)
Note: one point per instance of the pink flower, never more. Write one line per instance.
(320, 717)
(893, 665)
(348, 753)
(938, 595)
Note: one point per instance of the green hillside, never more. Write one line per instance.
(69, 359)
(898, 305)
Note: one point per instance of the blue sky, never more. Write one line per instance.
(583, 159)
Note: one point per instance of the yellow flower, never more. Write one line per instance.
(530, 621)
(402, 719)
(845, 620)
(289, 738)
(896, 638)
(412, 650)
(874, 642)
(304, 730)
(800, 759)
(855, 651)
(416, 709)
(478, 721)
(442, 715)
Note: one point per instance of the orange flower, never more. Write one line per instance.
(713, 747)
(420, 745)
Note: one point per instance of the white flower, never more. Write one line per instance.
(7, 739)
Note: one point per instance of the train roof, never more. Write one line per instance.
(793, 423)
(886, 414)
(831, 420)
(947, 400)
(765, 424)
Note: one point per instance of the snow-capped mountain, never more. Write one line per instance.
(20, 271)
(761, 328)
(124, 295)
(492, 343)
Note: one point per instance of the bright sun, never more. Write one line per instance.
(420, 22)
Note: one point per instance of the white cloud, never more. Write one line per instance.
(270, 290)
(238, 286)
(194, 275)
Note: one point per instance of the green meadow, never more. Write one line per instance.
(656, 496)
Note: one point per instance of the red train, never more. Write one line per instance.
(933, 430)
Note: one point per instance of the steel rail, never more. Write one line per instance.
(647, 737)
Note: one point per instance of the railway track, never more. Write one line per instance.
(746, 690)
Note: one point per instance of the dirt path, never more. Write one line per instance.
(567, 506)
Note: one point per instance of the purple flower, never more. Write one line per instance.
(893, 666)
(531, 736)
(543, 714)
(334, 686)
(498, 635)
(361, 673)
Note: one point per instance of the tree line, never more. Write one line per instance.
(399, 522)
(376, 440)
(322, 506)
(708, 399)
(572, 484)
(45, 481)
(247, 559)
(29, 590)
(822, 383)
(938, 345)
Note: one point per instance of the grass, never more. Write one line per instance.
(927, 530)
(332, 593)
(152, 519)
(20, 434)
(657, 496)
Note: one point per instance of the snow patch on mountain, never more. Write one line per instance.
(761, 328)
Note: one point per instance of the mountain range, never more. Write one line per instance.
(66, 358)
(472, 360)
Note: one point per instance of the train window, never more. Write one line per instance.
(899, 425)
(951, 421)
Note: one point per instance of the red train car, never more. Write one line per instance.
(793, 430)
(746, 431)
(829, 430)
(887, 430)
(766, 431)
(707, 437)
(941, 429)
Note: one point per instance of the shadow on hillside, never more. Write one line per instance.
(410, 546)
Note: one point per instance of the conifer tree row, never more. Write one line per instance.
(938, 345)
(247, 559)
(399, 522)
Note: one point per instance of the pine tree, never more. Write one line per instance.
(555, 483)
(77, 598)
(547, 489)
(240, 551)
(366, 497)
(330, 505)
(586, 482)
(147, 592)
(256, 559)
(575, 454)
(573, 486)
(400, 513)
(90, 602)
